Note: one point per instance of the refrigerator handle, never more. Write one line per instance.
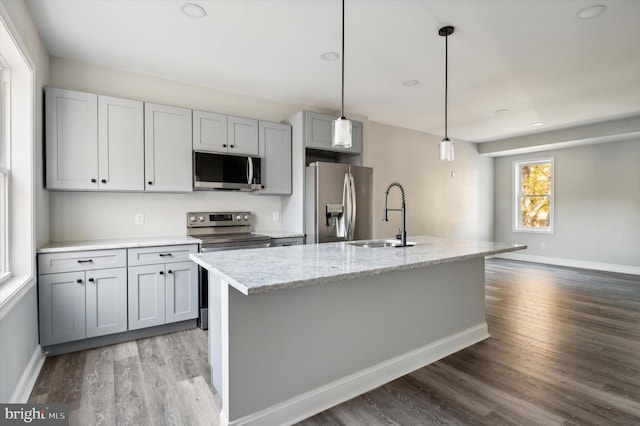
(352, 201)
(342, 228)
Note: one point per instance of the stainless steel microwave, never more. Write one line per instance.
(225, 172)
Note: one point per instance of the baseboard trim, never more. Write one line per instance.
(573, 263)
(334, 393)
(28, 379)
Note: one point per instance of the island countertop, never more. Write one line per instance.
(255, 271)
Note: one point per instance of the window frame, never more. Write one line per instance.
(5, 171)
(517, 224)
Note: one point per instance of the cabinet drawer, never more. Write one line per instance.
(160, 254)
(49, 263)
(287, 241)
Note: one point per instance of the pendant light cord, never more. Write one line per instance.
(446, 83)
(342, 96)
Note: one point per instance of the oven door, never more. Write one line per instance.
(207, 247)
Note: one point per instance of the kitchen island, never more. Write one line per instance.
(296, 330)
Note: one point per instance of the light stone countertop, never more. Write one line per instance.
(278, 268)
(64, 246)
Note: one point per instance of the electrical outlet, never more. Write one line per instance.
(276, 216)
(139, 219)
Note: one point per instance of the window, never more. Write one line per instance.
(17, 117)
(534, 195)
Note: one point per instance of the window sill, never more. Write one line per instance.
(12, 291)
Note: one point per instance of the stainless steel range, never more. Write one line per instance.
(221, 231)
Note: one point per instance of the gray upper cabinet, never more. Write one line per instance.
(120, 144)
(93, 142)
(209, 132)
(318, 129)
(168, 147)
(275, 152)
(242, 135)
(71, 136)
(225, 134)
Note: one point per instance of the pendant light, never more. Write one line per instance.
(446, 149)
(341, 127)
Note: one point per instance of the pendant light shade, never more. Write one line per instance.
(446, 148)
(341, 127)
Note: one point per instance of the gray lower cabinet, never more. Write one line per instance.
(84, 294)
(79, 301)
(163, 288)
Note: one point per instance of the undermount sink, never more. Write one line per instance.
(379, 243)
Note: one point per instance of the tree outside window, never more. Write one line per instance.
(534, 195)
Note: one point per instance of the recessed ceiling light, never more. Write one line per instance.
(538, 124)
(192, 10)
(591, 12)
(330, 56)
(501, 111)
(410, 83)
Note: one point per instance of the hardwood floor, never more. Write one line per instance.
(564, 349)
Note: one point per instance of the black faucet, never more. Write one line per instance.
(403, 230)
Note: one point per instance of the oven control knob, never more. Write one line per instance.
(201, 218)
(192, 218)
(246, 217)
(239, 217)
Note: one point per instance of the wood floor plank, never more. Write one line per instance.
(563, 350)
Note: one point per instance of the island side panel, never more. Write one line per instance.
(283, 344)
(215, 331)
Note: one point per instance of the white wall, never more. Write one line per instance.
(437, 203)
(18, 316)
(87, 215)
(597, 206)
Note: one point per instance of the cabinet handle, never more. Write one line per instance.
(231, 146)
(85, 260)
(149, 183)
(93, 181)
(169, 271)
(103, 181)
(224, 145)
(79, 281)
(90, 280)
(161, 272)
(164, 254)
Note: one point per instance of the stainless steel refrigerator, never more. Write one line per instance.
(339, 202)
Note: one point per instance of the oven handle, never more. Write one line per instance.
(238, 247)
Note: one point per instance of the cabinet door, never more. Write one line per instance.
(318, 130)
(168, 147)
(356, 138)
(146, 296)
(106, 301)
(120, 144)
(181, 291)
(61, 305)
(71, 136)
(209, 132)
(318, 133)
(243, 135)
(275, 152)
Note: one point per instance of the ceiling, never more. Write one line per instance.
(533, 58)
